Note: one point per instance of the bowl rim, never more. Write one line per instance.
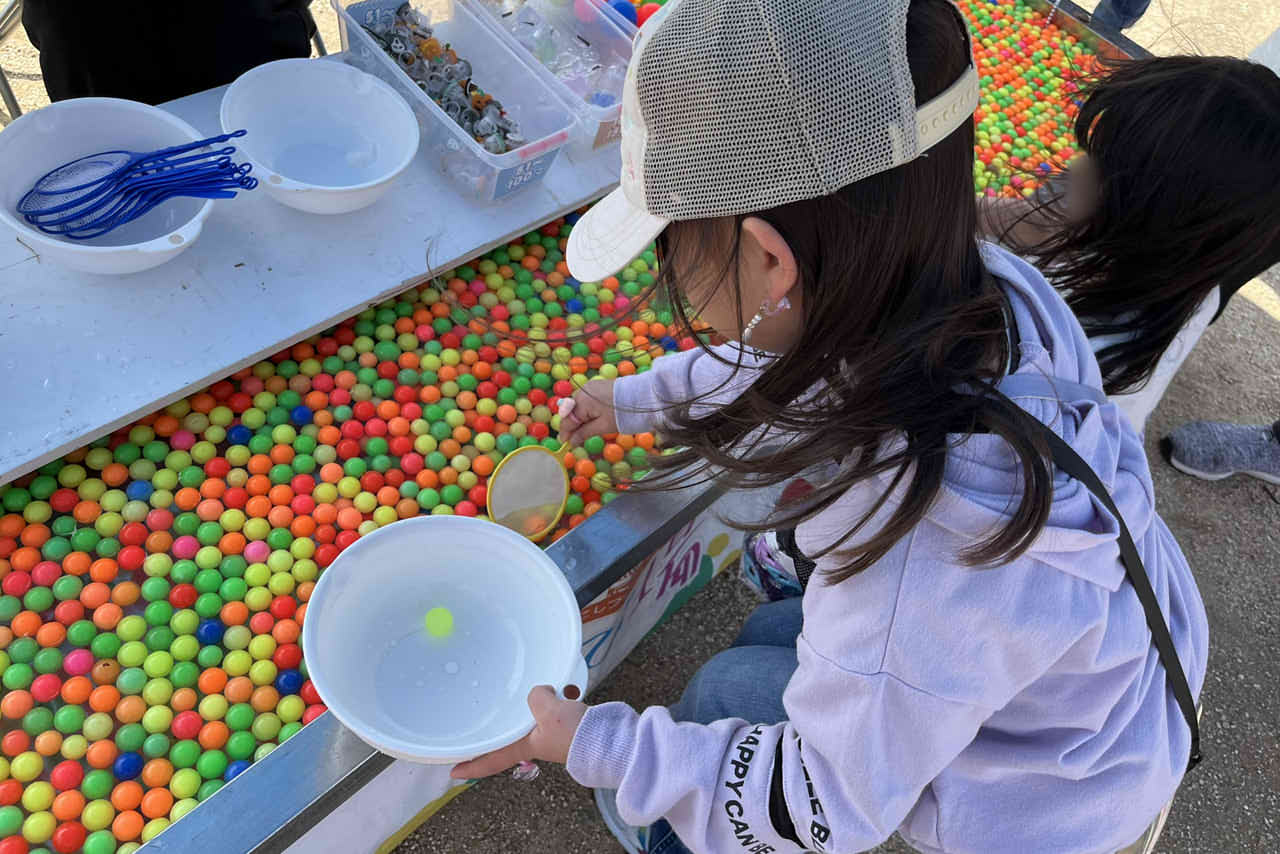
(155, 244)
(424, 751)
(322, 65)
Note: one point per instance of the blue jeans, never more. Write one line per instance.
(745, 681)
(1119, 14)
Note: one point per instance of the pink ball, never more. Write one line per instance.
(620, 303)
(185, 547)
(182, 440)
(257, 551)
(78, 662)
(45, 573)
(478, 287)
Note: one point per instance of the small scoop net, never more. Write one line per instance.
(527, 492)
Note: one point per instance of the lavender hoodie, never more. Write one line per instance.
(1015, 709)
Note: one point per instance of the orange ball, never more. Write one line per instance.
(27, 623)
(130, 709)
(125, 593)
(264, 698)
(101, 754)
(67, 805)
(212, 681)
(127, 825)
(156, 803)
(51, 635)
(77, 690)
(156, 773)
(127, 795)
(238, 690)
(184, 699)
(94, 594)
(214, 734)
(48, 743)
(105, 616)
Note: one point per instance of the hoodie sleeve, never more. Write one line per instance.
(641, 400)
(839, 776)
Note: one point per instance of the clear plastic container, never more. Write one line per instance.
(544, 119)
(592, 27)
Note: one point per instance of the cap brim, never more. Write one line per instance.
(608, 236)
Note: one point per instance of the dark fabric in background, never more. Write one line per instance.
(153, 50)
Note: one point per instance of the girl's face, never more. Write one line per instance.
(766, 273)
(1082, 190)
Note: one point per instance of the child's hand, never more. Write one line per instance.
(592, 413)
(555, 723)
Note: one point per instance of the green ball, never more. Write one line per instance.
(212, 764)
(130, 737)
(105, 645)
(155, 589)
(47, 661)
(97, 784)
(10, 820)
(23, 650)
(81, 633)
(17, 676)
(208, 605)
(184, 649)
(69, 719)
(157, 692)
(207, 788)
(155, 745)
(160, 638)
(68, 586)
(439, 622)
(10, 606)
(131, 680)
(38, 720)
(240, 717)
(289, 730)
(100, 842)
(157, 719)
(241, 745)
(210, 656)
(184, 755)
(97, 726)
(185, 622)
(132, 628)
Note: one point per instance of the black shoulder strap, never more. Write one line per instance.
(1065, 458)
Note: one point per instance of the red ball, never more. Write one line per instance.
(222, 390)
(16, 583)
(186, 724)
(395, 477)
(302, 505)
(313, 711)
(404, 394)
(398, 446)
(539, 431)
(411, 410)
(66, 775)
(537, 396)
(340, 397)
(352, 429)
(10, 792)
(282, 607)
(239, 402)
(465, 508)
(159, 520)
(302, 484)
(64, 500)
(133, 534)
(14, 844)
(388, 370)
(45, 573)
(68, 837)
(217, 467)
(348, 448)
(322, 382)
(372, 481)
(15, 741)
(326, 554)
(68, 612)
(131, 558)
(261, 623)
(45, 687)
(364, 410)
(183, 595)
(345, 538)
(478, 495)
(287, 656)
(487, 389)
(236, 497)
(308, 693)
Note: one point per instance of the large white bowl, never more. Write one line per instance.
(323, 137)
(59, 133)
(424, 699)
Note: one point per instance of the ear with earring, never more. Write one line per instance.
(768, 308)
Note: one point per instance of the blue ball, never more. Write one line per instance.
(235, 769)
(572, 218)
(626, 10)
(139, 490)
(289, 682)
(300, 415)
(603, 99)
(239, 435)
(574, 306)
(210, 631)
(127, 766)
(669, 343)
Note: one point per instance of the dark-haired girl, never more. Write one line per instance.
(1173, 207)
(968, 666)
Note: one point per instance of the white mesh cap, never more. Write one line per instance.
(731, 107)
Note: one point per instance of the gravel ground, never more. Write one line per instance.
(1230, 531)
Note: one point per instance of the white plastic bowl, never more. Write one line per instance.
(415, 697)
(323, 137)
(59, 133)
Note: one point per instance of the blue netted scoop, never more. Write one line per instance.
(92, 195)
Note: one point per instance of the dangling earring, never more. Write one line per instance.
(767, 309)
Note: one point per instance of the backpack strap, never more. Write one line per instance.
(1066, 459)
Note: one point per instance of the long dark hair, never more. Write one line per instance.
(898, 313)
(1187, 154)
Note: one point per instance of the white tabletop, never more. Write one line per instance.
(82, 355)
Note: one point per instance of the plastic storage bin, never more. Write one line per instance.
(544, 119)
(593, 23)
